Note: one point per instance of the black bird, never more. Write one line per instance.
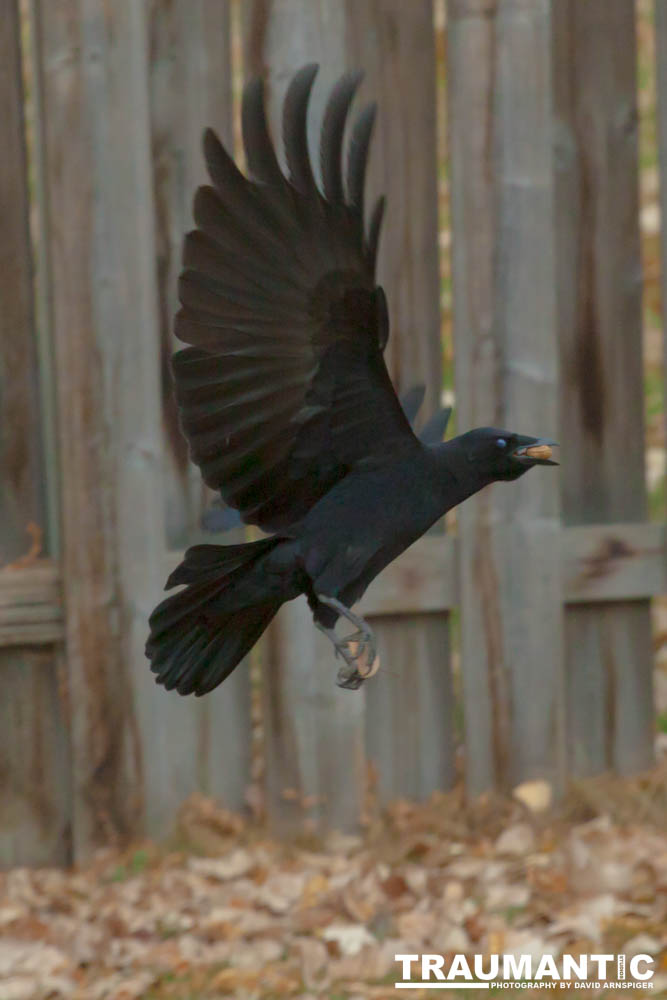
(219, 517)
(287, 404)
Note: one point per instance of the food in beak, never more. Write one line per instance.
(537, 451)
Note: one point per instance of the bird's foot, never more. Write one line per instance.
(358, 650)
(362, 646)
(361, 660)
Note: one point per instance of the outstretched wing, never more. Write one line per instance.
(284, 388)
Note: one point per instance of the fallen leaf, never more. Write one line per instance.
(516, 841)
(350, 938)
(281, 891)
(643, 944)
(233, 865)
(535, 795)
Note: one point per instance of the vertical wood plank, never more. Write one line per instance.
(190, 89)
(189, 78)
(394, 44)
(599, 314)
(391, 43)
(506, 375)
(313, 730)
(34, 761)
(314, 742)
(71, 68)
(409, 709)
(133, 742)
(21, 496)
(33, 735)
(470, 42)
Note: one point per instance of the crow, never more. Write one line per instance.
(287, 404)
(219, 517)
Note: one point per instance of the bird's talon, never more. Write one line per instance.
(349, 680)
(359, 650)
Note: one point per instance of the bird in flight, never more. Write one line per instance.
(287, 404)
(219, 517)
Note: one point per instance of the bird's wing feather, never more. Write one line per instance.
(284, 388)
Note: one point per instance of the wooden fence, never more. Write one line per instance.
(101, 157)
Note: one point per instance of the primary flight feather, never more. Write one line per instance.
(287, 404)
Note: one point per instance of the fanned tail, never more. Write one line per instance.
(200, 634)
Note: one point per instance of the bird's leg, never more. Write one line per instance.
(364, 639)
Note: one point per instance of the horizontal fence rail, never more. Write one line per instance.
(609, 562)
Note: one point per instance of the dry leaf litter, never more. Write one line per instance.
(233, 913)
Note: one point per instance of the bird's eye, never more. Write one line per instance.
(501, 442)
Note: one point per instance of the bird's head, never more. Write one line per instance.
(503, 455)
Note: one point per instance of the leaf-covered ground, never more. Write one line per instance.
(232, 913)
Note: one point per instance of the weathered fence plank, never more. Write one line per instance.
(387, 41)
(33, 737)
(98, 147)
(21, 495)
(34, 760)
(190, 89)
(609, 658)
(31, 611)
(189, 79)
(410, 710)
(313, 731)
(69, 70)
(394, 44)
(612, 562)
(504, 321)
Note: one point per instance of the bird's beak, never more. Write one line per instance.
(535, 451)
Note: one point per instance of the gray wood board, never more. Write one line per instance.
(190, 88)
(279, 38)
(189, 77)
(313, 731)
(134, 744)
(35, 820)
(21, 493)
(507, 376)
(600, 335)
(82, 269)
(394, 44)
(33, 735)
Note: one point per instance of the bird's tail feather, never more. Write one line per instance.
(201, 633)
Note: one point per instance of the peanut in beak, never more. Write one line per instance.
(538, 451)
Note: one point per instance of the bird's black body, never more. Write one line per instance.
(286, 400)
